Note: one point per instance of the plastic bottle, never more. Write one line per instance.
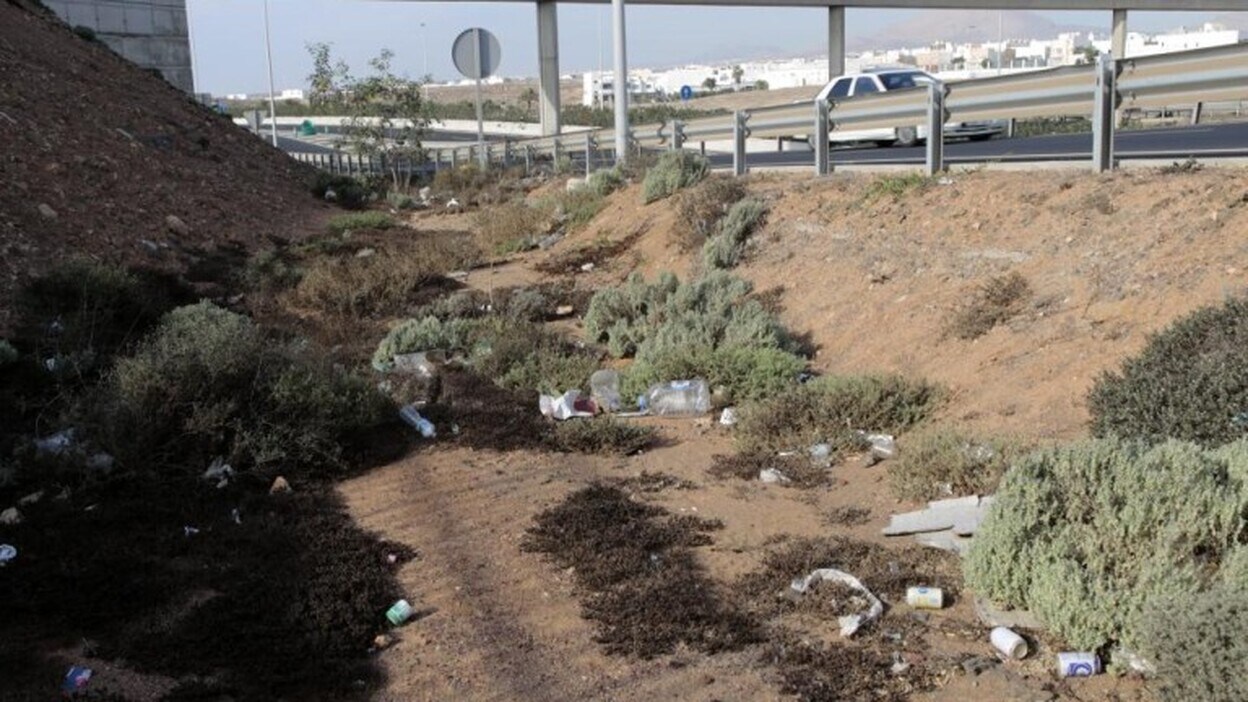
(419, 423)
(679, 397)
(604, 386)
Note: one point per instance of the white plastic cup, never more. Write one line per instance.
(1078, 665)
(925, 597)
(1009, 643)
(399, 613)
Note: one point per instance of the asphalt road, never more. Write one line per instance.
(1221, 140)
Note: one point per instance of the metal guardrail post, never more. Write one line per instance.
(589, 153)
(556, 151)
(454, 159)
(506, 153)
(739, 133)
(528, 159)
(678, 135)
(935, 128)
(1197, 109)
(1104, 104)
(823, 146)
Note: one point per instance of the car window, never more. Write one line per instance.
(898, 81)
(864, 85)
(841, 88)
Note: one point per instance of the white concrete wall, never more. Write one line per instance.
(151, 33)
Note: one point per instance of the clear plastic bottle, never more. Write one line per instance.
(604, 385)
(679, 397)
(419, 423)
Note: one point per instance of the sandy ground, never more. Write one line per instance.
(873, 279)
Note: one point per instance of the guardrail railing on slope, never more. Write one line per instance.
(1097, 90)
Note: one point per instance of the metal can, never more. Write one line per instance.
(925, 597)
(399, 612)
(1078, 665)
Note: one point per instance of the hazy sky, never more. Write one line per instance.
(228, 35)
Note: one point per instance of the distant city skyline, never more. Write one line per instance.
(228, 35)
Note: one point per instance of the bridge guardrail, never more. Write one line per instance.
(1218, 74)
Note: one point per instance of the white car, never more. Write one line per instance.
(879, 81)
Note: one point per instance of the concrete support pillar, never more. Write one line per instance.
(1119, 46)
(548, 66)
(836, 41)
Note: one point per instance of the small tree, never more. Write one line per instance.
(528, 97)
(1087, 54)
(386, 115)
(327, 78)
(761, 84)
(737, 73)
(709, 83)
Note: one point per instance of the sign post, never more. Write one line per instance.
(476, 54)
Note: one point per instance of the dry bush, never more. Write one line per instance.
(603, 436)
(727, 246)
(942, 462)
(699, 209)
(385, 283)
(511, 227)
(997, 301)
(800, 470)
(358, 221)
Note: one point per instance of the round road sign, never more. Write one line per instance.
(686, 92)
(476, 53)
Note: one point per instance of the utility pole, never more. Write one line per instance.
(621, 83)
(1000, 40)
(268, 50)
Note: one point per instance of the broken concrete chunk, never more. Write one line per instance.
(963, 514)
(280, 485)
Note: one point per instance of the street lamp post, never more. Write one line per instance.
(268, 51)
(621, 83)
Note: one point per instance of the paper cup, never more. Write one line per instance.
(1009, 643)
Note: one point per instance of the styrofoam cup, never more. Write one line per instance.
(1009, 643)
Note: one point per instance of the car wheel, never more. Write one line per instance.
(981, 137)
(907, 136)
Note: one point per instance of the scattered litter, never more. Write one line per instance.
(805, 377)
(1133, 660)
(728, 417)
(399, 612)
(679, 397)
(925, 597)
(366, 252)
(453, 204)
(457, 275)
(569, 404)
(189, 531)
(1009, 643)
(280, 485)
(564, 310)
(821, 454)
(979, 664)
(850, 623)
(419, 423)
(392, 558)
(236, 516)
(587, 267)
(382, 641)
(7, 553)
(993, 616)
(56, 444)
(219, 471)
(1078, 664)
(883, 446)
(101, 461)
(574, 184)
(604, 386)
(771, 475)
(962, 515)
(10, 517)
(899, 664)
(422, 363)
(30, 499)
(945, 181)
(76, 679)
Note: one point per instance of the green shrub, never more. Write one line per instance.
(356, 221)
(208, 382)
(675, 170)
(580, 206)
(81, 312)
(348, 192)
(272, 270)
(383, 283)
(832, 408)
(645, 319)
(527, 357)
(734, 373)
(604, 435)
(8, 354)
(401, 201)
(699, 209)
(424, 334)
(942, 462)
(1190, 382)
(726, 247)
(604, 182)
(1091, 535)
(1196, 645)
(895, 186)
(997, 301)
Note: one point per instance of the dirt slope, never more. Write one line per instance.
(96, 154)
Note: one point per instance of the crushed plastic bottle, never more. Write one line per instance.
(604, 386)
(679, 397)
(419, 423)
